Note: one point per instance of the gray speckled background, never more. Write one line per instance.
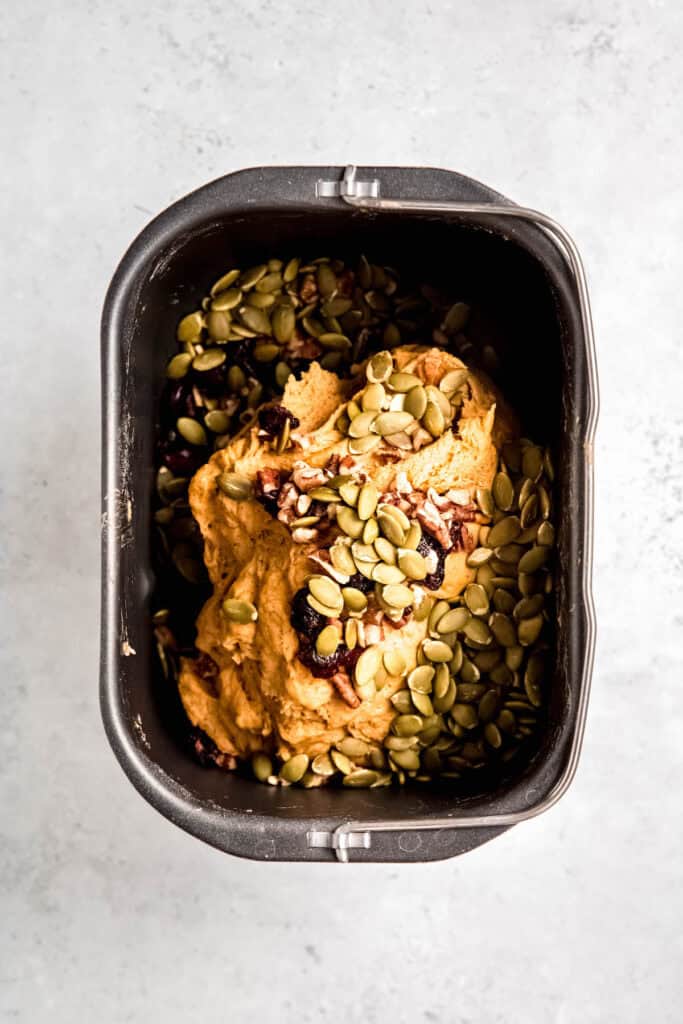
(109, 113)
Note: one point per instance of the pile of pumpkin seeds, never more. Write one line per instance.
(476, 693)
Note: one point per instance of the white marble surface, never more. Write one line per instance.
(109, 112)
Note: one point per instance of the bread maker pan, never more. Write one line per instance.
(513, 262)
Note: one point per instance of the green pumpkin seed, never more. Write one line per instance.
(504, 531)
(226, 300)
(534, 559)
(284, 322)
(394, 662)
(456, 318)
(476, 599)
(343, 763)
(351, 633)
(503, 601)
(529, 630)
(355, 600)
(503, 492)
(367, 501)
(370, 531)
(477, 631)
(407, 725)
(413, 536)
(379, 368)
(488, 706)
(255, 319)
(416, 402)
(367, 666)
(326, 279)
(485, 501)
(532, 462)
(546, 534)
(190, 327)
(191, 431)
(478, 557)
(349, 492)
(325, 494)
(326, 591)
(533, 692)
(492, 735)
(396, 595)
(501, 675)
(236, 378)
(328, 641)
(262, 766)
(506, 721)
(445, 703)
(265, 353)
(438, 398)
(291, 270)
(391, 422)
(514, 657)
(465, 715)
(294, 769)
(250, 277)
(548, 465)
(328, 611)
(312, 326)
(527, 584)
(386, 550)
(361, 778)
(412, 563)
(453, 621)
(441, 680)
(529, 512)
(534, 669)
(409, 760)
(423, 605)
(178, 366)
(391, 529)
(342, 560)
(353, 747)
(421, 678)
(503, 629)
(544, 501)
(224, 282)
(453, 380)
(403, 382)
(437, 650)
(508, 554)
(423, 704)
(271, 282)
(373, 397)
(527, 607)
(333, 341)
(402, 701)
(361, 424)
(349, 522)
(240, 612)
(217, 421)
(389, 575)
(433, 420)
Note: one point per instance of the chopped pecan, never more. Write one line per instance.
(304, 535)
(428, 517)
(307, 477)
(268, 481)
(343, 685)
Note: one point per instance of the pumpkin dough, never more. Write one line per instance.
(252, 692)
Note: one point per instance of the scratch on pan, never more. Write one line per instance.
(137, 725)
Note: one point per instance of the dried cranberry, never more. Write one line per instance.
(427, 545)
(351, 656)
(241, 355)
(361, 583)
(179, 400)
(273, 418)
(211, 382)
(321, 667)
(304, 619)
(182, 460)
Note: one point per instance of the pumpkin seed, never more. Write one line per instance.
(529, 510)
(437, 650)
(265, 353)
(506, 721)
(351, 633)
(236, 378)
(391, 528)
(191, 431)
(326, 591)
(283, 322)
(353, 747)
(423, 704)
(335, 342)
(325, 494)
(420, 679)
(291, 270)
(488, 705)
(532, 462)
(413, 536)
(226, 300)
(361, 425)
(527, 607)
(282, 374)
(527, 584)
(412, 563)
(372, 398)
(190, 327)
(388, 574)
(416, 402)
(403, 382)
(224, 282)
(379, 368)
(407, 725)
(453, 621)
(476, 599)
(453, 380)
(294, 769)
(342, 560)
(433, 420)
(262, 766)
(328, 641)
(485, 501)
(503, 601)
(544, 501)
(478, 557)
(465, 715)
(234, 486)
(503, 492)
(492, 735)
(349, 522)
(349, 492)
(361, 778)
(394, 662)
(409, 760)
(402, 702)
(535, 667)
(240, 612)
(423, 605)
(328, 611)
(503, 629)
(396, 595)
(217, 421)
(367, 666)
(445, 703)
(546, 534)
(456, 318)
(178, 366)
(528, 630)
(355, 600)
(367, 501)
(386, 550)
(514, 657)
(391, 422)
(250, 277)
(534, 559)
(477, 631)
(509, 554)
(504, 531)
(370, 531)
(343, 763)
(271, 282)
